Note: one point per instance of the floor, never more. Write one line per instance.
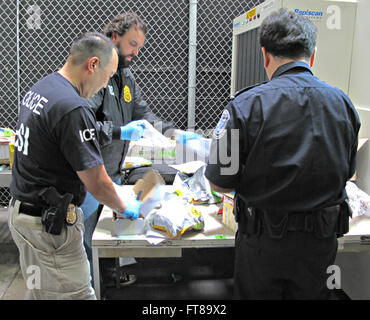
(12, 286)
(199, 274)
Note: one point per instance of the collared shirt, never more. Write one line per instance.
(296, 142)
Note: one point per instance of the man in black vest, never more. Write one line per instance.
(118, 107)
(297, 141)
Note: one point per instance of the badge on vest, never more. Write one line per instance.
(127, 94)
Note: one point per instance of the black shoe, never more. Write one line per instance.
(124, 280)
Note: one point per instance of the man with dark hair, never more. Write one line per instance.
(128, 32)
(91, 44)
(115, 106)
(57, 157)
(298, 141)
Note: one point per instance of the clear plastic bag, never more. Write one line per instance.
(155, 136)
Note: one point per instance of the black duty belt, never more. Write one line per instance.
(323, 222)
(300, 222)
(292, 222)
(29, 208)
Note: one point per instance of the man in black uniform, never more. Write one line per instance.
(115, 106)
(297, 139)
(57, 156)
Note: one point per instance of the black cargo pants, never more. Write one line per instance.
(294, 267)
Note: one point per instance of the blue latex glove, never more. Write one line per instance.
(184, 136)
(132, 209)
(132, 131)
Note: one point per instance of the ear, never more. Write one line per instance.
(114, 38)
(312, 59)
(266, 57)
(92, 64)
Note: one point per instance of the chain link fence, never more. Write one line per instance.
(8, 64)
(8, 73)
(46, 29)
(214, 37)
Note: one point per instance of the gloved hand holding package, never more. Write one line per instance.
(175, 216)
(133, 131)
(132, 205)
(132, 209)
(184, 137)
(192, 146)
(155, 136)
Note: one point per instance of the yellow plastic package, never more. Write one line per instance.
(11, 153)
(175, 216)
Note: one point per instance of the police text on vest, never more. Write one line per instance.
(34, 101)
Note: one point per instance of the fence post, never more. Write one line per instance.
(18, 63)
(192, 62)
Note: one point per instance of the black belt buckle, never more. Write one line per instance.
(300, 222)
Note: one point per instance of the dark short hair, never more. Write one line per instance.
(286, 34)
(91, 44)
(122, 22)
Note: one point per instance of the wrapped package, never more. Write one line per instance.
(359, 201)
(7, 138)
(193, 150)
(135, 162)
(196, 189)
(148, 149)
(154, 135)
(175, 216)
(147, 189)
(153, 146)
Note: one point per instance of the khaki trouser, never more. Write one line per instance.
(53, 266)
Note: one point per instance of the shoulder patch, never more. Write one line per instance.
(221, 125)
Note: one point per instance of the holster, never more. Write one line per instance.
(343, 220)
(249, 222)
(54, 215)
(332, 220)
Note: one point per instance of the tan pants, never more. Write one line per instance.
(53, 266)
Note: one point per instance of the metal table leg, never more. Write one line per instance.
(118, 273)
(95, 256)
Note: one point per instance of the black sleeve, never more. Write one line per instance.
(77, 136)
(224, 165)
(106, 131)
